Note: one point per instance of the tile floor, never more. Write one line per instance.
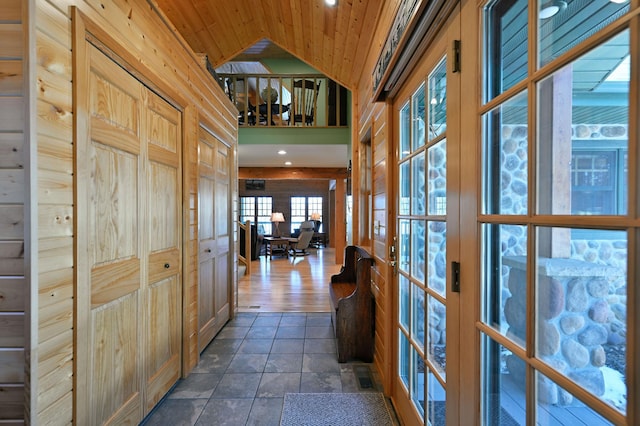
(254, 360)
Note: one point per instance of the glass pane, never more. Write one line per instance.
(556, 406)
(503, 385)
(405, 132)
(438, 100)
(437, 266)
(505, 158)
(436, 397)
(404, 233)
(417, 316)
(418, 196)
(417, 250)
(404, 188)
(564, 25)
(403, 361)
(403, 302)
(437, 335)
(505, 29)
(418, 118)
(583, 117)
(505, 280)
(417, 388)
(581, 306)
(437, 178)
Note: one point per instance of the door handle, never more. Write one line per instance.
(394, 266)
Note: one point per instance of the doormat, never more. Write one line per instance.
(318, 409)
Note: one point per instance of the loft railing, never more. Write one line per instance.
(281, 100)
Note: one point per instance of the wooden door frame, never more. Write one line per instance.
(439, 48)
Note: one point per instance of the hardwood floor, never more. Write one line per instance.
(290, 284)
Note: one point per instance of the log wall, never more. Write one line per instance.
(375, 119)
(136, 34)
(13, 291)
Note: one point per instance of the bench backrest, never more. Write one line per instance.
(357, 265)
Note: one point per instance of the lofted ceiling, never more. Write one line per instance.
(334, 40)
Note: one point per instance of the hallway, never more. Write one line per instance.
(259, 356)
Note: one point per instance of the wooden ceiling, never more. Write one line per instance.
(334, 40)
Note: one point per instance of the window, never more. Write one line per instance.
(595, 181)
(305, 208)
(257, 210)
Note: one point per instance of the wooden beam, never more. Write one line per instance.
(291, 173)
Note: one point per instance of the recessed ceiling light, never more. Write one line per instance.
(287, 163)
(551, 8)
(282, 152)
(619, 1)
(331, 2)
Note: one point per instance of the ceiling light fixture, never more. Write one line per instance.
(287, 163)
(331, 2)
(282, 152)
(619, 1)
(552, 8)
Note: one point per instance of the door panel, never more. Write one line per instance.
(214, 289)
(114, 249)
(164, 261)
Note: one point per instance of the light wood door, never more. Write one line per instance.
(214, 289)
(163, 302)
(128, 209)
(427, 223)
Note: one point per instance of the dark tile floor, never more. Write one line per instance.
(254, 360)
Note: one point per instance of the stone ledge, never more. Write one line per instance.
(565, 267)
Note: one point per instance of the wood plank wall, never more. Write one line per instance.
(137, 33)
(376, 119)
(13, 291)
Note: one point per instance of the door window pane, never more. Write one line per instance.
(437, 259)
(418, 234)
(418, 118)
(438, 100)
(405, 131)
(564, 26)
(417, 388)
(418, 195)
(403, 299)
(583, 118)
(436, 414)
(581, 305)
(417, 316)
(555, 405)
(437, 178)
(404, 230)
(504, 279)
(403, 361)
(506, 26)
(437, 334)
(404, 189)
(503, 385)
(505, 158)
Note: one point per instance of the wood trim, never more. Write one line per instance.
(82, 294)
(291, 173)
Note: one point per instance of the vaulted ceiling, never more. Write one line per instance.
(334, 40)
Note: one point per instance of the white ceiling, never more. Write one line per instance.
(299, 155)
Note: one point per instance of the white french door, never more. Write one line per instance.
(427, 175)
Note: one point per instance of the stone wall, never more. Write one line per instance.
(577, 314)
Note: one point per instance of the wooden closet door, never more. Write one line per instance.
(129, 309)
(111, 242)
(163, 286)
(213, 204)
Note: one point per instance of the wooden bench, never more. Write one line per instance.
(352, 306)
